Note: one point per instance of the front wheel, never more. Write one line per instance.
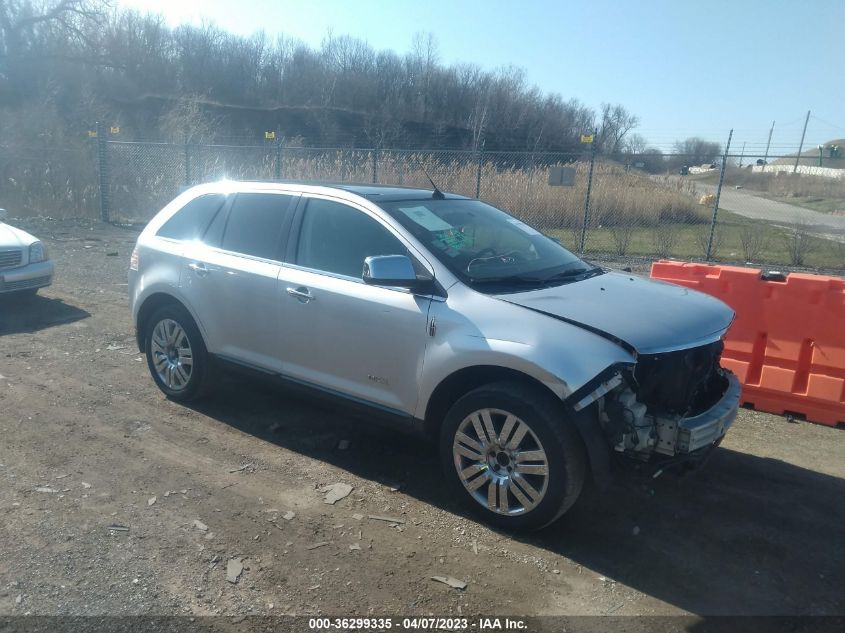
(511, 456)
(176, 355)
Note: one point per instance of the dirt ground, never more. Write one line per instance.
(88, 442)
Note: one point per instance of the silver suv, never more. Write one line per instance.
(441, 315)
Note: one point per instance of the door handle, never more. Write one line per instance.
(199, 268)
(301, 294)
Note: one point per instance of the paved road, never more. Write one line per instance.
(747, 204)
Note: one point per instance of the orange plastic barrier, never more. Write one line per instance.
(787, 344)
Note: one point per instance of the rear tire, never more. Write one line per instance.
(516, 440)
(176, 354)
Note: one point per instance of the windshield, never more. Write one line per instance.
(485, 247)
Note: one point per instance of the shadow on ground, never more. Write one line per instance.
(747, 535)
(30, 313)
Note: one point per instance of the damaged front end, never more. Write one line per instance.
(672, 406)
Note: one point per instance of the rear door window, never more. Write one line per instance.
(255, 224)
(337, 238)
(189, 222)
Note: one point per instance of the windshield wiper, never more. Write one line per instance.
(578, 273)
(519, 279)
(566, 275)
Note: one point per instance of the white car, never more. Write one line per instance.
(25, 265)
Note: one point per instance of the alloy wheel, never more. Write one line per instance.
(501, 462)
(173, 357)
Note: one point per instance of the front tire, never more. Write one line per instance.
(512, 457)
(176, 355)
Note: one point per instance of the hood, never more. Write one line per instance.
(647, 316)
(14, 238)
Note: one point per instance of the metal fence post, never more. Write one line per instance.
(103, 172)
(478, 172)
(375, 165)
(587, 197)
(278, 155)
(718, 195)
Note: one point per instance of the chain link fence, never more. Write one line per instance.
(624, 209)
(48, 181)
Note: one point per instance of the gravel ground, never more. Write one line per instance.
(236, 487)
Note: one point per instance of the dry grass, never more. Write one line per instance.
(49, 182)
(143, 178)
(786, 185)
(617, 198)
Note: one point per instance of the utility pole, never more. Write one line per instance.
(742, 155)
(801, 146)
(768, 143)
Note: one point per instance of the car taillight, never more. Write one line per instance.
(133, 260)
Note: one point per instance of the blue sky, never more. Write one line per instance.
(684, 67)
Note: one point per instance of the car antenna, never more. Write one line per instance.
(437, 195)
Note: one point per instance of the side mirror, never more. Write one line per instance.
(3, 214)
(390, 270)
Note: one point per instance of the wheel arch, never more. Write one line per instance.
(152, 303)
(464, 380)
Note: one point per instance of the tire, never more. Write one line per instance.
(167, 359)
(548, 456)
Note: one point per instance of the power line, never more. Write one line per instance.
(821, 120)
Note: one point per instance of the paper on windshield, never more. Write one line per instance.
(523, 227)
(426, 219)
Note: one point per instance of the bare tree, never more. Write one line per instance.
(696, 151)
(21, 17)
(799, 243)
(634, 144)
(702, 239)
(753, 241)
(189, 122)
(621, 234)
(122, 65)
(35, 33)
(616, 123)
(664, 238)
(478, 122)
(838, 252)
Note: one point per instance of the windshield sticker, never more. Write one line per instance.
(425, 218)
(523, 227)
(451, 239)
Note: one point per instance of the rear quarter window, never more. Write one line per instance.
(255, 222)
(189, 222)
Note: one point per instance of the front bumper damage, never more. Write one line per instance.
(702, 430)
(640, 432)
(666, 409)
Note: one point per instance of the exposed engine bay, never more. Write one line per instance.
(670, 404)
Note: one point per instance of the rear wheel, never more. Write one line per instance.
(176, 355)
(511, 456)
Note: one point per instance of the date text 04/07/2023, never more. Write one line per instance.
(417, 623)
